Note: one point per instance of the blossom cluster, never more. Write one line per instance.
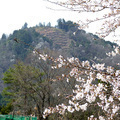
(106, 12)
(86, 91)
(41, 56)
(97, 83)
(115, 52)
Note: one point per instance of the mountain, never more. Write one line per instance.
(65, 39)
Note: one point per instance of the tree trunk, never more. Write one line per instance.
(40, 117)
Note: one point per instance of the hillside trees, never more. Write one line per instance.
(66, 25)
(3, 36)
(85, 47)
(26, 88)
(27, 36)
(25, 26)
(20, 50)
(49, 24)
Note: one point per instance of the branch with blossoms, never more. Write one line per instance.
(107, 12)
(108, 79)
(107, 89)
(97, 84)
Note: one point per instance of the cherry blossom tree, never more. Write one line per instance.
(105, 11)
(106, 92)
(98, 84)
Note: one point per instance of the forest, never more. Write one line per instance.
(31, 75)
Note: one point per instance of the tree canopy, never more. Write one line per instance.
(23, 86)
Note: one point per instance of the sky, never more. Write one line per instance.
(14, 13)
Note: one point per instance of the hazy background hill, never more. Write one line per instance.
(65, 39)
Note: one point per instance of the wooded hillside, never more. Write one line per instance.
(63, 39)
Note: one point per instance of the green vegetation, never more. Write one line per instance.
(23, 82)
(21, 50)
(28, 88)
(66, 25)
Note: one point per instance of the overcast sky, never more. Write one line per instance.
(14, 13)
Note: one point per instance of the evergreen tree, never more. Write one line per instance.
(25, 26)
(3, 37)
(49, 24)
(40, 24)
(26, 88)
